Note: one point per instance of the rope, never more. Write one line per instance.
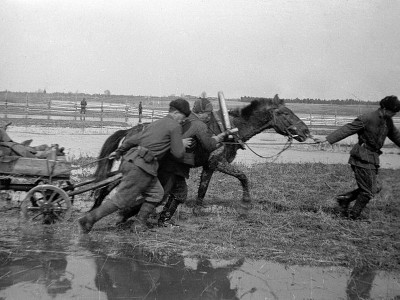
(275, 156)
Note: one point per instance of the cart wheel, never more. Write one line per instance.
(46, 203)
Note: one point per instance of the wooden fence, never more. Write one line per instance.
(101, 111)
(69, 110)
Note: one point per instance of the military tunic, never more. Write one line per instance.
(139, 165)
(172, 173)
(372, 129)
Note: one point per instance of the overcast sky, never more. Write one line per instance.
(324, 49)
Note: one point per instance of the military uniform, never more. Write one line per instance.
(140, 165)
(173, 174)
(372, 129)
(142, 160)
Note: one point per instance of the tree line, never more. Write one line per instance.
(319, 101)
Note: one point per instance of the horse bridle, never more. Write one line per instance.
(286, 130)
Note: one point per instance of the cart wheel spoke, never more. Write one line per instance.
(46, 203)
(33, 208)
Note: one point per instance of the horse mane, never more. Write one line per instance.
(247, 111)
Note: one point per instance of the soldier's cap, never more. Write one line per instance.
(391, 103)
(181, 105)
(202, 105)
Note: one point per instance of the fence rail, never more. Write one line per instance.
(70, 110)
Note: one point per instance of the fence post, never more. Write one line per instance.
(126, 111)
(26, 106)
(152, 115)
(6, 104)
(310, 119)
(101, 112)
(48, 109)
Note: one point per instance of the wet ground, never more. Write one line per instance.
(55, 262)
(261, 148)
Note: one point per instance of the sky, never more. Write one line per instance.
(326, 49)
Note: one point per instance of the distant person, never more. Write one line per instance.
(83, 106)
(140, 110)
(372, 129)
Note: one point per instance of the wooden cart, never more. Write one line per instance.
(50, 193)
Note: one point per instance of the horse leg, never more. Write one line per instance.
(205, 178)
(227, 168)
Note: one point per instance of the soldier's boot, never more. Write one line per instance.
(125, 214)
(361, 203)
(89, 219)
(141, 220)
(344, 200)
(168, 211)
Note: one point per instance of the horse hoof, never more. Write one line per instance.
(85, 224)
(197, 210)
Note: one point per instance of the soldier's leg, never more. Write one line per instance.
(345, 199)
(367, 183)
(152, 196)
(166, 179)
(177, 196)
(128, 189)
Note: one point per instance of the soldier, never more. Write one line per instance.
(172, 173)
(372, 129)
(83, 106)
(142, 153)
(140, 111)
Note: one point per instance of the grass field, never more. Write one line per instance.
(293, 220)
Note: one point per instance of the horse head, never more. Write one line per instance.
(263, 113)
(285, 122)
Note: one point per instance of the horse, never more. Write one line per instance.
(259, 115)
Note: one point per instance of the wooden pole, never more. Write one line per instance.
(26, 107)
(101, 115)
(126, 110)
(6, 104)
(49, 109)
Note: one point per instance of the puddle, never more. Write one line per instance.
(88, 142)
(77, 267)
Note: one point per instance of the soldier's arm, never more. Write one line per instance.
(207, 140)
(394, 135)
(345, 131)
(132, 141)
(177, 149)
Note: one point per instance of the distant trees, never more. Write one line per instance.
(317, 101)
(107, 93)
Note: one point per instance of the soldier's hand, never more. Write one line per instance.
(319, 140)
(187, 142)
(114, 155)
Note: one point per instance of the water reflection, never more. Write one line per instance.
(34, 272)
(81, 270)
(266, 280)
(360, 283)
(145, 277)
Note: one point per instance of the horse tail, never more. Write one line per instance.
(104, 165)
(110, 145)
